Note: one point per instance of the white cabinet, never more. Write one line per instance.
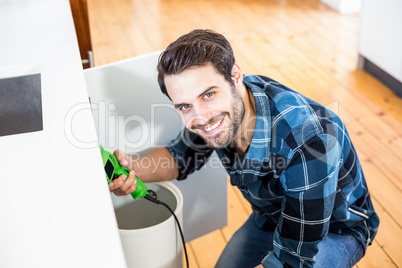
(132, 114)
(55, 206)
(380, 40)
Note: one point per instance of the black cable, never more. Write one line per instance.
(151, 196)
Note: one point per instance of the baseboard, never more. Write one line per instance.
(388, 80)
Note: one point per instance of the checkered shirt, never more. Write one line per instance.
(301, 173)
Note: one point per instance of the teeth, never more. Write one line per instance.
(208, 129)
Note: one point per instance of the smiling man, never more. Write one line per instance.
(291, 158)
(214, 109)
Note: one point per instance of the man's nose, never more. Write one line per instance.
(200, 115)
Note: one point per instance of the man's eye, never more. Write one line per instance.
(185, 107)
(209, 95)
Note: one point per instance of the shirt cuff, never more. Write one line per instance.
(271, 261)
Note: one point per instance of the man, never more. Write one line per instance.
(291, 158)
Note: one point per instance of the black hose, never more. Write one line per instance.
(151, 196)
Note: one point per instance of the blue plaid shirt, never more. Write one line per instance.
(301, 173)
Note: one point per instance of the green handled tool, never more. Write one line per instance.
(113, 170)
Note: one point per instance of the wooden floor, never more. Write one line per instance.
(301, 43)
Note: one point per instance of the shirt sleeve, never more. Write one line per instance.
(310, 183)
(190, 153)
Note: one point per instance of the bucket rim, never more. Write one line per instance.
(166, 223)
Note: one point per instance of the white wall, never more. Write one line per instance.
(344, 6)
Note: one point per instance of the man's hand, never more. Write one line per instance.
(259, 266)
(123, 185)
(123, 159)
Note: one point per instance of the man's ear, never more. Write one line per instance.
(237, 74)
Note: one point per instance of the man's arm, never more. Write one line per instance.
(159, 165)
(310, 183)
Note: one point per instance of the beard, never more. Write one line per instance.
(233, 118)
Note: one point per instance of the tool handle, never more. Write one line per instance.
(140, 190)
(113, 170)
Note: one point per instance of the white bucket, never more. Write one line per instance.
(149, 232)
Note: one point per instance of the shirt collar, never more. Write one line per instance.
(259, 149)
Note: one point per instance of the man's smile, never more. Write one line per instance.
(210, 128)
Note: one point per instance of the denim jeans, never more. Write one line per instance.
(250, 244)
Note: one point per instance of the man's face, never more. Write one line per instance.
(208, 105)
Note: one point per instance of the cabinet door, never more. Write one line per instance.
(79, 10)
(132, 114)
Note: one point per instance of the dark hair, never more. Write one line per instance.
(195, 49)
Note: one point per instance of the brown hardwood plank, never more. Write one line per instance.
(191, 256)
(388, 236)
(237, 213)
(376, 258)
(208, 248)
